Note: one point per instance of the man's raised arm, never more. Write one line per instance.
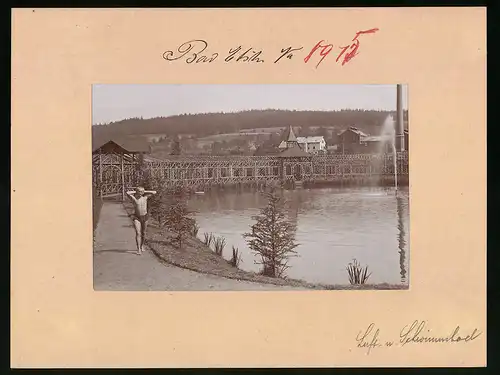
(130, 194)
(150, 192)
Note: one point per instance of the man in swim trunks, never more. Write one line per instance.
(139, 198)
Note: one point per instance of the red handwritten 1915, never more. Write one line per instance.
(346, 53)
(325, 50)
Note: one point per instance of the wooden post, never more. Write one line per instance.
(133, 170)
(123, 179)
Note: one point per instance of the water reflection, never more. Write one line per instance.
(334, 225)
(401, 238)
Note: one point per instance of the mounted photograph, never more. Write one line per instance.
(252, 187)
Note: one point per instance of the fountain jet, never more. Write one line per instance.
(388, 135)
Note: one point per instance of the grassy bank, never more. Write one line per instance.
(196, 256)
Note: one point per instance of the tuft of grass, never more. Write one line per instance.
(236, 258)
(357, 275)
(209, 238)
(219, 244)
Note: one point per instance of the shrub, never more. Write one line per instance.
(176, 215)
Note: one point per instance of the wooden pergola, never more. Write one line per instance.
(115, 164)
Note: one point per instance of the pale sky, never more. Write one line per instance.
(114, 102)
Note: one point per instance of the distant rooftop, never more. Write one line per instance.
(311, 139)
(355, 130)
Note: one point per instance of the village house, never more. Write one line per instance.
(350, 141)
(311, 145)
(354, 141)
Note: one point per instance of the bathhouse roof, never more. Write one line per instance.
(126, 144)
(293, 152)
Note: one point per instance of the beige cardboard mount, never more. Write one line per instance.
(57, 318)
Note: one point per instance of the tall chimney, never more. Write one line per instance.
(400, 137)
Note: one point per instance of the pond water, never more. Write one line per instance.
(334, 226)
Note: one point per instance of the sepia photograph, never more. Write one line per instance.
(250, 187)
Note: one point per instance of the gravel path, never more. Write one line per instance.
(118, 267)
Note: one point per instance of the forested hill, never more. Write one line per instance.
(216, 123)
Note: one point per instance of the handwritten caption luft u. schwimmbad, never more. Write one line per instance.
(416, 333)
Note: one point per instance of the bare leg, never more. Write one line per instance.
(143, 233)
(137, 226)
